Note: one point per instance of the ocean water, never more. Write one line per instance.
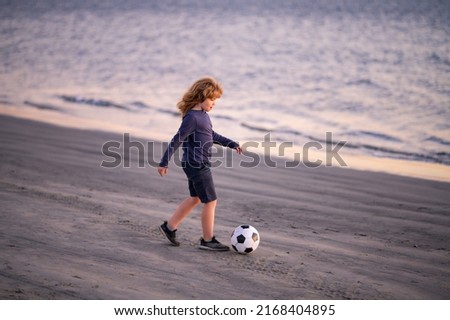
(374, 73)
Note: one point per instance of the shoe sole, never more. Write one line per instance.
(212, 249)
(176, 244)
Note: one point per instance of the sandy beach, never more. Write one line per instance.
(70, 229)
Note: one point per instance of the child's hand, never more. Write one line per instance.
(162, 171)
(238, 150)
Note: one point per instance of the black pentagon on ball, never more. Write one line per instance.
(248, 250)
(240, 238)
(245, 226)
(255, 236)
(235, 249)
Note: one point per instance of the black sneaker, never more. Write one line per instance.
(171, 235)
(212, 245)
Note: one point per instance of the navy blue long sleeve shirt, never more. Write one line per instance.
(197, 136)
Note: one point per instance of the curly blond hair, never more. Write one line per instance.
(201, 90)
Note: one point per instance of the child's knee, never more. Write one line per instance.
(195, 201)
(212, 203)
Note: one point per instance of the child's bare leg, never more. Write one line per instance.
(182, 211)
(208, 214)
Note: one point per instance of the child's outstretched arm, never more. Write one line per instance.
(224, 141)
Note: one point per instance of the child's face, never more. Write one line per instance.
(208, 104)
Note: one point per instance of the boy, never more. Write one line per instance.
(197, 137)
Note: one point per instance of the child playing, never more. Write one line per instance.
(197, 136)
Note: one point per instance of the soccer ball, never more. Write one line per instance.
(245, 239)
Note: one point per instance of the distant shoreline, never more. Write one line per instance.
(409, 168)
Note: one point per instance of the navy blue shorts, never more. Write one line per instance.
(200, 180)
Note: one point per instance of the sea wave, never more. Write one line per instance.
(44, 106)
(438, 140)
(92, 102)
(436, 58)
